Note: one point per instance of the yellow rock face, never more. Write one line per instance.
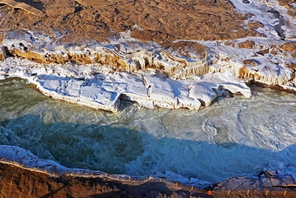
(28, 8)
(33, 56)
(80, 58)
(176, 60)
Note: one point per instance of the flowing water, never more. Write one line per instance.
(234, 136)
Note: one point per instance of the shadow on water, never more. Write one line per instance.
(121, 150)
(74, 145)
(92, 139)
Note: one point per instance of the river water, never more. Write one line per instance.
(234, 136)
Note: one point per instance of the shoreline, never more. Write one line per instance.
(98, 74)
(92, 187)
(103, 90)
(96, 183)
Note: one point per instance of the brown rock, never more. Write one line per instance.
(2, 57)
(274, 52)
(291, 9)
(29, 55)
(228, 43)
(247, 44)
(191, 46)
(250, 63)
(289, 47)
(262, 52)
(80, 58)
(286, 2)
(291, 65)
(160, 21)
(19, 182)
(24, 6)
(144, 35)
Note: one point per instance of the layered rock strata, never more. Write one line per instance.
(182, 65)
(167, 53)
(99, 75)
(183, 74)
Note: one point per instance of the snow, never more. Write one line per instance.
(104, 91)
(260, 9)
(192, 87)
(80, 83)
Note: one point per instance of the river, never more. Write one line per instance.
(234, 136)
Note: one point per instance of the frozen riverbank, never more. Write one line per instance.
(99, 75)
(23, 173)
(185, 74)
(254, 134)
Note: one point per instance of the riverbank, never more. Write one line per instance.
(94, 55)
(21, 181)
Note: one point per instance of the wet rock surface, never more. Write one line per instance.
(18, 181)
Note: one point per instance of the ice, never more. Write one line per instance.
(261, 12)
(18, 156)
(80, 85)
(212, 144)
(150, 75)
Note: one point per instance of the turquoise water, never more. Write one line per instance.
(234, 136)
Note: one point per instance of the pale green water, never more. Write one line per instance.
(234, 136)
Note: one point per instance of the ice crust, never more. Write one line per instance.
(260, 9)
(212, 144)
(99, 87)
(125, 68)
(17, 156)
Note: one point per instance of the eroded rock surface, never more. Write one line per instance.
(174, 42)
(159, 21)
